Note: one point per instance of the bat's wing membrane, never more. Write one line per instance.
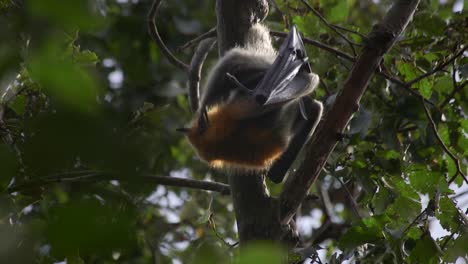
(281, 82)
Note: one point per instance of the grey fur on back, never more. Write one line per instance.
(246, 63)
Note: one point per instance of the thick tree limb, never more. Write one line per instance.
(380, 41)
(102, 176)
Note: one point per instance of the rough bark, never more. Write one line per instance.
(235, 18)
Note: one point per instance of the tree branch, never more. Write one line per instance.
(331, 26)
(456, 89)
(438, 67)
(317, 44)
(199, 57)
(153, 31)
(209, 34)
(384, 72)
(380, 41)
(103, 176)
(442, 144)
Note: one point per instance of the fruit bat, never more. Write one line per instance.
(255, 111)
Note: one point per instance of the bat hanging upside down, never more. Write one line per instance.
(255, 112)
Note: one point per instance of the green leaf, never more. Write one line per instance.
(443, 85)
(444, 133)
(90, 227)
(69, 14)
(368, 230)
(464, 125)
(414, 233)
(209, 253)
(448, 214)
(338, 13)
(403, 211)
(309, 25)
(86, 58)
(407, 70)
(360, 164)
(425, 87)
(464, 70)
(265, 253)
(19, 104)
(456, 248)
(429, 24)
(424, 180)
(75, 259)
(68, 83)
(425, 251)
(389, 154)
(382, 199)
(8, 165)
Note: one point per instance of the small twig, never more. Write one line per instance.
(456, 89)
(438, 67)
(442, 144)
(350, 31)
(195, 69)
(325, 87)
(404, 85)
(331, 26)
(354, 205)
(447, 240)
(209, 34)
(212, 224)
(317, 44)
(274, 4)
(9, 137)
(460, 195)
(315, 258)
(327, 204)
(153, 31)
(100, 176)
(407, 129)
(418, 217)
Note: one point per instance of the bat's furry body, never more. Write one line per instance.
(240, 132)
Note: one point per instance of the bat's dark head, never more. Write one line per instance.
(232, 141)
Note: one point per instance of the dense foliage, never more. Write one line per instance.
(89, 104)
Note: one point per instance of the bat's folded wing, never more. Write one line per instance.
(289, 77)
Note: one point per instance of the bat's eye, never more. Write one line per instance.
(260, 99)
